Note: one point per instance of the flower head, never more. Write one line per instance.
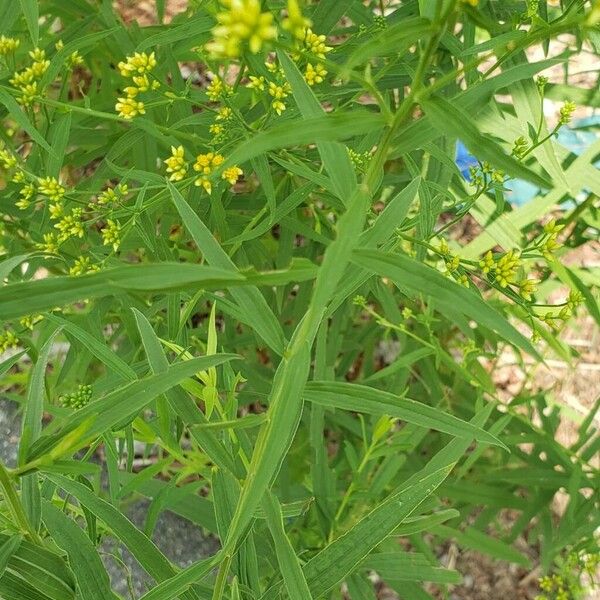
(205, 164)
(137, 64)
(241, 23)
(527, 288)
(111, 234)
(129, 108)
(314, 74)
(77, 399)
(217, 89)
(256, 83)
(566, 112)
(279, 93)
(176, 164)
(8, 44)
(231, 174)
(316, 44)
(51, 188)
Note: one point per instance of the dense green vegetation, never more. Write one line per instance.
(243, 276)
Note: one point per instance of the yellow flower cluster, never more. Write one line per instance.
(256, 83)
(51, 188)
(176, 164)
(279, 93)
(566, 112)
(26, 193)
(550, 243)
(7, 159)
(49, 245)
(314, 74)
(295, 22)
(8, 44)
(74, 59)
(315, 43)
(527, 288)
(110, 196)
(242, 22)
(218, 89)
(137, 67)
(111, 234)
(26, 81)
(129, 108)
(505, 268)
(139, 63)
(207, 163)
(71, 225)
(8, 340)
(83, 265)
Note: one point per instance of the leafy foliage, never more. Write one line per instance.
(232, 239)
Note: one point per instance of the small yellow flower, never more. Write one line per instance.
(279, 93)
(137, 64)
(8, 340)
(316, 44)
(507, 267)
(28, 94)
(314, 74)
(216, 129)
(487, 264)
(49, 245)
(7, 159)
(566, 112)
(83, 265)
(129, 108)
(224, 113)
(295, 22)
(18, 177)
(51, 188)
(56, 210)
(527, 288)
(26, 193)
(218, 89)
(70, 225)
(256, 83)
(206, 164)
(176, 164)
(111, 234)
(8, 44)
(112, 195)
(241, 23)
(231, 174)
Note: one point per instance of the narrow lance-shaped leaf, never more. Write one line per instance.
(363, 399)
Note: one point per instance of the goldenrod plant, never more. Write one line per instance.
(243, 276)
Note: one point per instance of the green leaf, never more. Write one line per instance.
(140, 546)
(100, 350)
(330, 127)
(409, 566)
(124, 404)
(335, 562)
(363, 399)
(92, 579)
(7, 548)
(32, 17)
(32, 297)
(288, 562)
(34, 407)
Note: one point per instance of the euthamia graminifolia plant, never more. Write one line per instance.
(243, 277)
